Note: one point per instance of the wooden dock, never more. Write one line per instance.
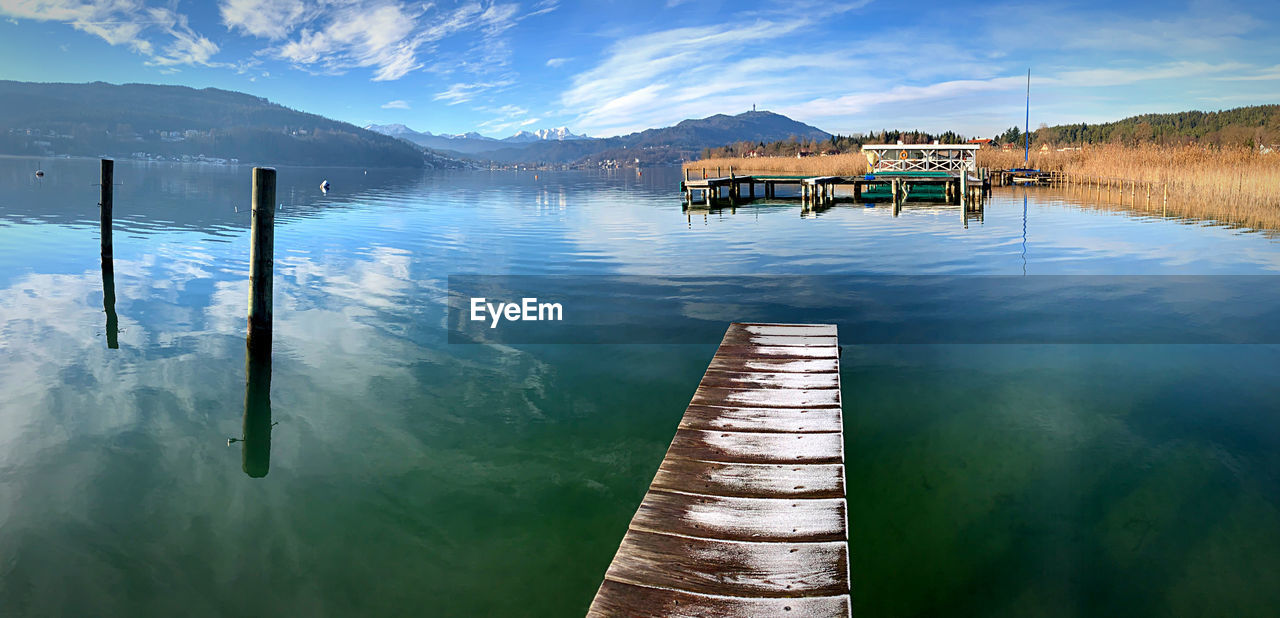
(746, 515)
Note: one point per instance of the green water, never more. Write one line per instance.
(410, 476)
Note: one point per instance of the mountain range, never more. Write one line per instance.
(471, 143)
(651, 146)
(177, 122)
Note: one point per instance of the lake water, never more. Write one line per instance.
(410, 475)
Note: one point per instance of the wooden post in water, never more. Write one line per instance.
(261, 252)
(105, 204)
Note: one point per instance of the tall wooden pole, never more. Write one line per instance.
(261, 252)
(104, 205)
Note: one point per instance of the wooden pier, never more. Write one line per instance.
(746, 515)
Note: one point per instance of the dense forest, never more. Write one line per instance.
(1243, 126)
(170, 122)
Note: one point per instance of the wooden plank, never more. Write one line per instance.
(770, 379)
(744, 337)
(620, 599)
(776, 351)
(767, 397)
(746, 515)
(748, 480)
(731, 518)
(736, 568)
(757, 447)
(793, 330)
(764, 420)
(797, 365)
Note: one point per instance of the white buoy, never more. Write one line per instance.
(324, 186)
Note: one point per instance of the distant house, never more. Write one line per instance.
(1009, 146)
(983, 142)
(803, 153)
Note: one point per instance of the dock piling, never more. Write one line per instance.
(105, 205)
(262, 251)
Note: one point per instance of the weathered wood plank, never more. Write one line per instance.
(791, 365)
(618, 599)
(751, 480)
(793, 330)
(752, 351)
(768, 420)
(770, 379)
(767, 398)
(751, 447)
(746, 338)
(741, 519)
(735, 568)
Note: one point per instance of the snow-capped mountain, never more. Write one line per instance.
(560, 134)
(473, 142)
(468, 135)
(394, 130)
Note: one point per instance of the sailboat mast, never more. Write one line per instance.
(1026, 152)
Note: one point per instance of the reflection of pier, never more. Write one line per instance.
(746, 515)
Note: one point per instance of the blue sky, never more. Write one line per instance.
(604, 67)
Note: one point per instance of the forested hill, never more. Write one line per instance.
(1242, 126)
(132, 120)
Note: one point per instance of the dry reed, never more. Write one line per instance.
(1231, 185)
(830, 165)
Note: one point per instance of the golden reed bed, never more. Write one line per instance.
(1232, 185)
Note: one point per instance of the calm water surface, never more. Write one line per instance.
(412, 476)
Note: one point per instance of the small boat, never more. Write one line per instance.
(39, 173)
(1024, 180)
(324, 186)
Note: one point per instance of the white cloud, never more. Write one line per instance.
(659, 78)
(396, 104)
(508, 117)
(270, 19)
(161, 34)
(389, 37)
(461, 93)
